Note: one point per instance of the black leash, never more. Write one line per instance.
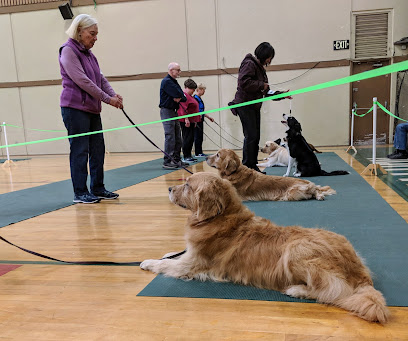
(102, 262)
(170, 157)
(223, 137)
(208, 136)
(226, 132)
(85, 262)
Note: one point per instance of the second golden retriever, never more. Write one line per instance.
(255, 186)
(227, 242)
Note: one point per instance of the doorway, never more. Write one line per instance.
(362, 97)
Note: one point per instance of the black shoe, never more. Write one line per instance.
(171, 165)
(190, 159)
(398, 154)
(105, 195)
(258, 170)
(86, 198)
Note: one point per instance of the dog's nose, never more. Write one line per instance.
(170, 188)
(206, 158)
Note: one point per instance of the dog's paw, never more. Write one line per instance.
(286, 174)
(299, 291)
(148, 264)
(297, 174)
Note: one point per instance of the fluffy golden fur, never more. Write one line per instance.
(253, 185)
(227, 242)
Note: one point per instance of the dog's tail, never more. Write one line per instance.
(367, 303)
(338, 172)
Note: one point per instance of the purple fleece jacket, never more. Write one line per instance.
(84, 87)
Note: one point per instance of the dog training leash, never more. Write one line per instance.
(170, 157)
(226, 132)
(208, 137)
(224, 137)
(86, 262)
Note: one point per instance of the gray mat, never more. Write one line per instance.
(27, 203)
(357, 211)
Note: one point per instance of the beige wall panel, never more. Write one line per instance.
(140, 36)
(41, 110)
(141, 100)
(202, 35)
(10, 112)
(37, 38)
(7, 61)
(323, 114)
(155, 38)
(299, 30)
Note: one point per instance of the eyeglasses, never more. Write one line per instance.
(178, 70)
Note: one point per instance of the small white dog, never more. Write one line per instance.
(278, 154)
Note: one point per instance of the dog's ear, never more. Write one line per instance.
(278, 141)
(298, 127)
(230, 165)
(210, 200)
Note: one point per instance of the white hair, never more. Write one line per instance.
(201, 86)
(172, 65)
(80, 22)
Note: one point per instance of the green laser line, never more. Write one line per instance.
(349, 79)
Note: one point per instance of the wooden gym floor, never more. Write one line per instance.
(41, 301)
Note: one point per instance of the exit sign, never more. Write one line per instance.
(341, 45)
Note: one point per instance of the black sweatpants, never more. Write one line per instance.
(188, 139)
(250, 118)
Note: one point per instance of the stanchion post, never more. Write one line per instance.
(352, 134)
(374, 131)
(372, 167)
(8, 162)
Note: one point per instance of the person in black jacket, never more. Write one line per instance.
(171, 95)
(252, 85)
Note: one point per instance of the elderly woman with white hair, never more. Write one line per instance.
(84, 88)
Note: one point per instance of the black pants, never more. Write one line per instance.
(84, 149)
(188, 139)
(251, 125)
(199, 137)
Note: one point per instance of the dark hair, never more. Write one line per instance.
(264, 51)
(189, 83)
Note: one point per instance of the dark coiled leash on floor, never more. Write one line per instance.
(138, 129)
(85, 262)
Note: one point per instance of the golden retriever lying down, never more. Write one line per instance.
(227, 242)
(253, 185)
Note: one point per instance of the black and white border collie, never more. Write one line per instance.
(301, 155)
